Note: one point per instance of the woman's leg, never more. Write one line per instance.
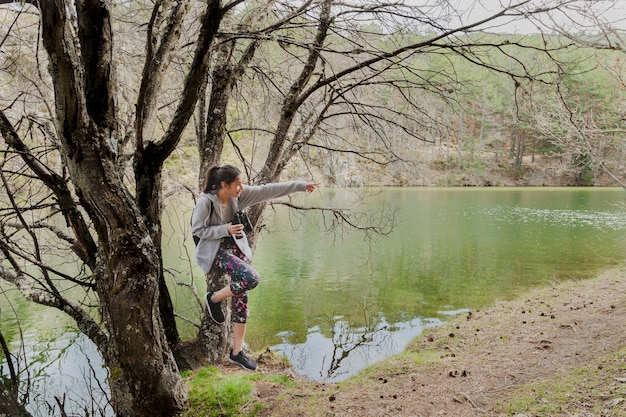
(237, 355)
(239, 333)
(221, 295)
(239, 317)
(243, 278)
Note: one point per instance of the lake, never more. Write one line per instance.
(336, 300)
(334, 304)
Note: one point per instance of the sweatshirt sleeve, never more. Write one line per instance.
(253, 194)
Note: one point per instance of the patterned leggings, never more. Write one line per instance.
(244, 278)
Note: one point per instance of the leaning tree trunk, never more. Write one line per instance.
(143, 377)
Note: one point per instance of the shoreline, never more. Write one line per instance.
(480, 363)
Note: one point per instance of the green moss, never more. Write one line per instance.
(214, 394)
(115, 373)
(400, 364)
(425, 357)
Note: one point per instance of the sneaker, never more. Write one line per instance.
(242, 360)
(215, 309)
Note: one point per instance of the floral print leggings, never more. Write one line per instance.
(232, 261)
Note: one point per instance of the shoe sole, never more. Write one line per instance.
(240, 364)
(208, 306)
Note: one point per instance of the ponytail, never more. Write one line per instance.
(215, 175)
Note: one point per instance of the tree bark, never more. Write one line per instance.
(9, 405)
(143, 378)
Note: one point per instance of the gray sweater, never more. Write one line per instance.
(210, 229)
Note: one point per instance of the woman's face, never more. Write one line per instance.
(234, 188)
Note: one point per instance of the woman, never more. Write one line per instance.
(224, 245)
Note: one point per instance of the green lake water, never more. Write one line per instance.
(334, 301)
(334, 304)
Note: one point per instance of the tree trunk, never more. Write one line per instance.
(149, 200)
(519, 153)
(213, 341)
(143, 377)
(9, 405)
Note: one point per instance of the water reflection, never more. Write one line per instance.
(64, 373)
(347, 350)
(598, 220)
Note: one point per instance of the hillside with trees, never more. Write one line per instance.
(477, 127)
(481, 128)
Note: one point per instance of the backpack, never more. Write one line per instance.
(196, 239)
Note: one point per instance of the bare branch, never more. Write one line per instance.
(343, 217)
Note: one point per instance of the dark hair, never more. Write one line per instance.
(216, 174)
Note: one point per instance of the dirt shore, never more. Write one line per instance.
(558, 351)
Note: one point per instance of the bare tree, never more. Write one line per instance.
(86, 140)
(126, 282)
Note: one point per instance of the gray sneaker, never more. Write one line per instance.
(242, 360)
(215, 309)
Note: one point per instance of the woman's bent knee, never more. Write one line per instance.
(245, 282)
(253, 280)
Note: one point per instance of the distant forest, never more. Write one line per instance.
(481, 128)
(490, 129)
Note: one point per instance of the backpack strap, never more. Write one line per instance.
(196, 239)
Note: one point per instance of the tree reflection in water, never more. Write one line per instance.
(346, 350)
